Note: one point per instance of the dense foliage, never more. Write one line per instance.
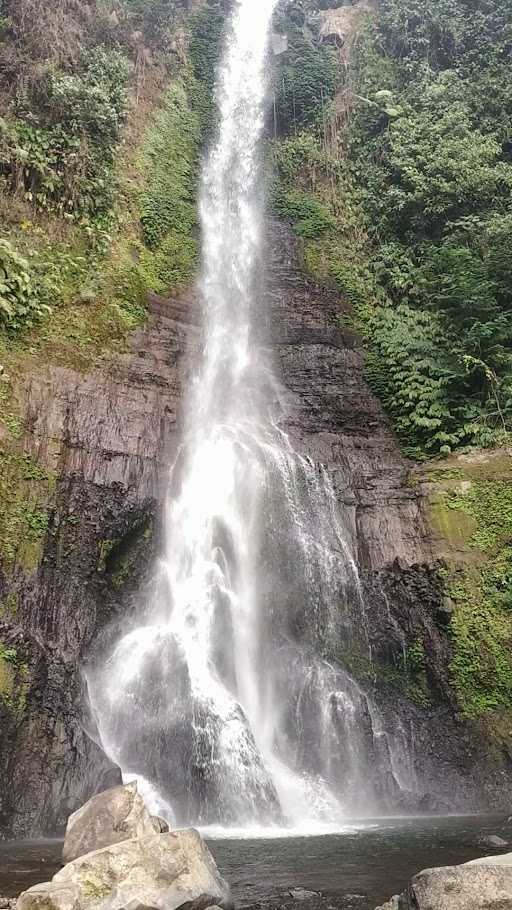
(418, 177)
(306, 74)
(64, 106)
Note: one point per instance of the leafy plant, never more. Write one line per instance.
(20, 303)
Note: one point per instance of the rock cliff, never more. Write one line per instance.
(107, 438)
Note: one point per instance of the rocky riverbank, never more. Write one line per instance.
(118, 856)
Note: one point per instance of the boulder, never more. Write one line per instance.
(504, 859)
(493, 840)
(159, 872)
(110, 817)
(484, 884)
(159, 824)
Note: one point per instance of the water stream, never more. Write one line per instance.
(224, 699)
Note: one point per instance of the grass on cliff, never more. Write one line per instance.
(26, 491)
(476, 502)
(14, 681)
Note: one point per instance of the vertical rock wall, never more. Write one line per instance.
(108, 438)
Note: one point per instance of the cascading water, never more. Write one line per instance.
(224, 699)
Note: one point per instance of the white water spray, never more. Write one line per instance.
(224, 699)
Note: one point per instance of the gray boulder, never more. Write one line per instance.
(492, 840)
(484, 884)
(110, 817)
(159, 824)
(505, 859)
(159, 872)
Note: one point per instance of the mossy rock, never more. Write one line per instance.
(26, 490)
(7, 678)
(469, 505)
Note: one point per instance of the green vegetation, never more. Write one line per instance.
(101, 128)
(400, 190)
(407, 183)
(9, 606)
(472, 509)
(25, 492)
(118, 558)
(482, 624)
(305, 79)
(409, 675)
(86, 232)
(14, 680)
(206, 35)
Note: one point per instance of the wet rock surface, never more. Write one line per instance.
(113, 816)
(108, 439)
(160, 871)
(484, 884)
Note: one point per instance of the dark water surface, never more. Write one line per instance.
(360, 868)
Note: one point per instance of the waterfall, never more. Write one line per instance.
(224, 698)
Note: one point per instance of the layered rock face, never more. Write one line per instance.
(108, 438)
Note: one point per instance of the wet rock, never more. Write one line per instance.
(484, 884)
(159, 824)
(504, 859)
(301, 894)
(493, 840)
(108, 435)
(116, 815)
(159, 872)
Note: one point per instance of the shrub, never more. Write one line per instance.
(20, 302)
(171, 157)
(304, 81)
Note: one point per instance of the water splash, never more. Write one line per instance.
(224, 699)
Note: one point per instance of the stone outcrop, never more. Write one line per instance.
(108, 438)
(484, 884)
(110, 817)
(159, 871)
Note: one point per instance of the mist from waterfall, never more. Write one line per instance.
(224, 697)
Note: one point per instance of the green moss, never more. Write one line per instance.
(7, 672)
(13, 425)
(25, 492)
(444, 475)
(407, 675)
(105, 549)
(481, 627)
(94, 890)
(9, 606)
(454, 525)
(119, 558)
(14, 681)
